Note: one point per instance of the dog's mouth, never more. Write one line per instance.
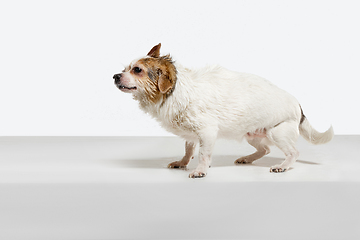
(126, 89)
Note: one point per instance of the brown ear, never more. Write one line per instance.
(164, 85)
(166, 81)
(155, 51)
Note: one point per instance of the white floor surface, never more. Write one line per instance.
(120, 188)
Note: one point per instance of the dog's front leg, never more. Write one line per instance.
(207, 141)
(189, 154)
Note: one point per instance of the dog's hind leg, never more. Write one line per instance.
(284, 136)
(189, 154)
(261, 147)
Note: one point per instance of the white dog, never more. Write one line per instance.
(209, 103)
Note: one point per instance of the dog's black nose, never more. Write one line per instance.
(117, 77)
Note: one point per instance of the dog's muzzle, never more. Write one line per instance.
(121, 86)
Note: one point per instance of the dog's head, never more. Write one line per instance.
(152, 77)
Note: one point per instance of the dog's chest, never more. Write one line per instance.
(178, 121)
(179, 125)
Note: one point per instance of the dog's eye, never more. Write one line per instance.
(137, 70)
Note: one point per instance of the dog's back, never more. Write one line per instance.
(236, 102)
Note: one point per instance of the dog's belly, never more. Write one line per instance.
(236, 134)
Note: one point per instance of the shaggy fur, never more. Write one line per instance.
(212, 102)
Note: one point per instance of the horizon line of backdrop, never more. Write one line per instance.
(58, 58)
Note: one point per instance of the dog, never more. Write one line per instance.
(201, 105)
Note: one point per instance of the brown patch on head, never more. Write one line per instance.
(157, 76)
(162, 71)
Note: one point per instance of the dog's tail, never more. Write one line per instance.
(313, 136)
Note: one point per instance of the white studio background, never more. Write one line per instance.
(58, 58)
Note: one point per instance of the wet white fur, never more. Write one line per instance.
(214, 102)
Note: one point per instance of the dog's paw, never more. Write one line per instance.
(242, 160)
(176, 164)
(277, 169)
(197, 174)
